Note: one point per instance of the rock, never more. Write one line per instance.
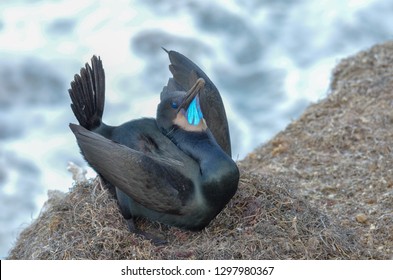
(361, 218)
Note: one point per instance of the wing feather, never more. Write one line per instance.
(185, 72)
(151, 181)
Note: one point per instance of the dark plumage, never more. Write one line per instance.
(177, 168)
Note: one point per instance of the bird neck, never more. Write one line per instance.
(199, 145)
(219, 173)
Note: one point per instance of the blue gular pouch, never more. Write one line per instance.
(194, 112)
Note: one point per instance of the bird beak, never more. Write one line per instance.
(191, 94)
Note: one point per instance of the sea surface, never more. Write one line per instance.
(269, 59)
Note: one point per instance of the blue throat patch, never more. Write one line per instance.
(194, 112)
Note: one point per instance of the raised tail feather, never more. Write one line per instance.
(87, 94)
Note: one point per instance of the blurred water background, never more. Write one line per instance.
(269, 59)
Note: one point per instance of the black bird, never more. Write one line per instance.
(175, 169)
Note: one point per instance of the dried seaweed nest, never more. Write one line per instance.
(321, 189)
(339, 152)
(263, 221)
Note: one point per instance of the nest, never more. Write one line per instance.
(339, 152)
(321, 189)
(263, 221)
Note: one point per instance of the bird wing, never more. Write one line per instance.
(185, 72)
(149, 180)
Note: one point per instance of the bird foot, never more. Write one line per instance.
(146, 235)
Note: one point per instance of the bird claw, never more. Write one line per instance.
(146, 235)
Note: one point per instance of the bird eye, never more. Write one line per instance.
(174, 105)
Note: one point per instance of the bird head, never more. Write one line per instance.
(182, 109)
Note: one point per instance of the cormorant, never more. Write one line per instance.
(175, 169)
